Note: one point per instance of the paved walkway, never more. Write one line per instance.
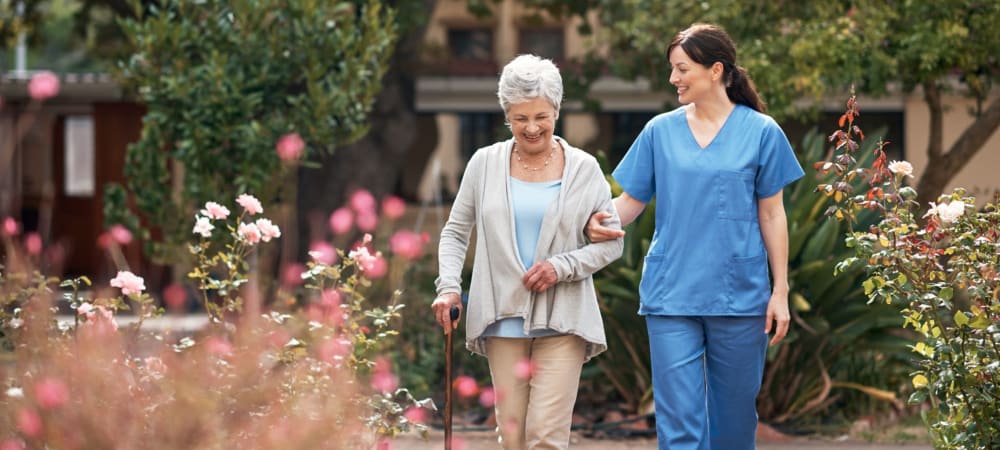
(487, 440)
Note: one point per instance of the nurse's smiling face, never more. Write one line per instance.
(693, 80)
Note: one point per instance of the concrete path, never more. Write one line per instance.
(481, 440)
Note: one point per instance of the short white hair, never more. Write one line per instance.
(528, 77)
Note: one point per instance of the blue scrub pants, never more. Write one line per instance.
(707, 372)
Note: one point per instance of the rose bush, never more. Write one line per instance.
(306, 372)
(942, 266)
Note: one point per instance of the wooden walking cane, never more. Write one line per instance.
(447, 379)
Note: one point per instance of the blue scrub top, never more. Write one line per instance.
(707, 256)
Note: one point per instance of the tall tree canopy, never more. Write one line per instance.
(799, 49)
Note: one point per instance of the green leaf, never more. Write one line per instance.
(961, 319)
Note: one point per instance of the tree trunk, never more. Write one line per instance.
(942, 167)
(374, 162)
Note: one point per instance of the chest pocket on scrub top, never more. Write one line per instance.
(736, 195)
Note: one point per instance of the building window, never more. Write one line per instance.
(545, 42)
(79, 158)
(471, 51)
(477, 130)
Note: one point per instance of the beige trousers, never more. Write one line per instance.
(535, 413)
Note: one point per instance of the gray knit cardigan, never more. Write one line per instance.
(496, 291)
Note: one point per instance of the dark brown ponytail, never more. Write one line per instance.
(708, 44)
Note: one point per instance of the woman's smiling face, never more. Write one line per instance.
(532, 124)
(692, 79)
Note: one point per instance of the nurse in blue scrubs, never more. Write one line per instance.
(716, 167)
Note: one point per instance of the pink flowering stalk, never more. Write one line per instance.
(129, 283)
(250, 204)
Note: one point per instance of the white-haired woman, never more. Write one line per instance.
(532, 308)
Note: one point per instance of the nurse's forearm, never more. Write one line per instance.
(628, 208)
(774, 231)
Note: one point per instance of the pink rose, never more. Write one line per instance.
(407, 244)
(367, 222)
(393, 207)
(267, 229)
(33, 243)
(487, 397)
(322, 252)
(218, 346)
(203, 226)
(290, 147)
(250, 204)
(524, 369)
(416, 414)
(341, 221)
(29, 422)
(11, 227)
(175, 296)
(129, 283)
(51, 393)
(362, 202)
(215, 211)
(333, 350)
(292, 274)
(120, 234)
(466, 386)
(102, 320)
(12, 444)
(43, 85)
(249, 233)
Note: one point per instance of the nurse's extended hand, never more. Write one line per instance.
(540, 277)
(600, 233)
(777, 313)
(442, 310)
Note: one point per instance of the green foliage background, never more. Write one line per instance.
(222, 81)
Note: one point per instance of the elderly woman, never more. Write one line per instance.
(532, 307)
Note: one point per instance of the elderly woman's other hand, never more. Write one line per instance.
(442, 310)
(540, 277)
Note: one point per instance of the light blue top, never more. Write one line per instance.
(530, 200)
(707, 256)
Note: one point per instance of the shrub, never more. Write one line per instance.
(941, 266)
(289, 377)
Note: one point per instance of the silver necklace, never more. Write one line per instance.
(548, 159)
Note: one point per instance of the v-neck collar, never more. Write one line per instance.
(722, 129)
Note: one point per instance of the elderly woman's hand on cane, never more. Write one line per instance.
(442, 310)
